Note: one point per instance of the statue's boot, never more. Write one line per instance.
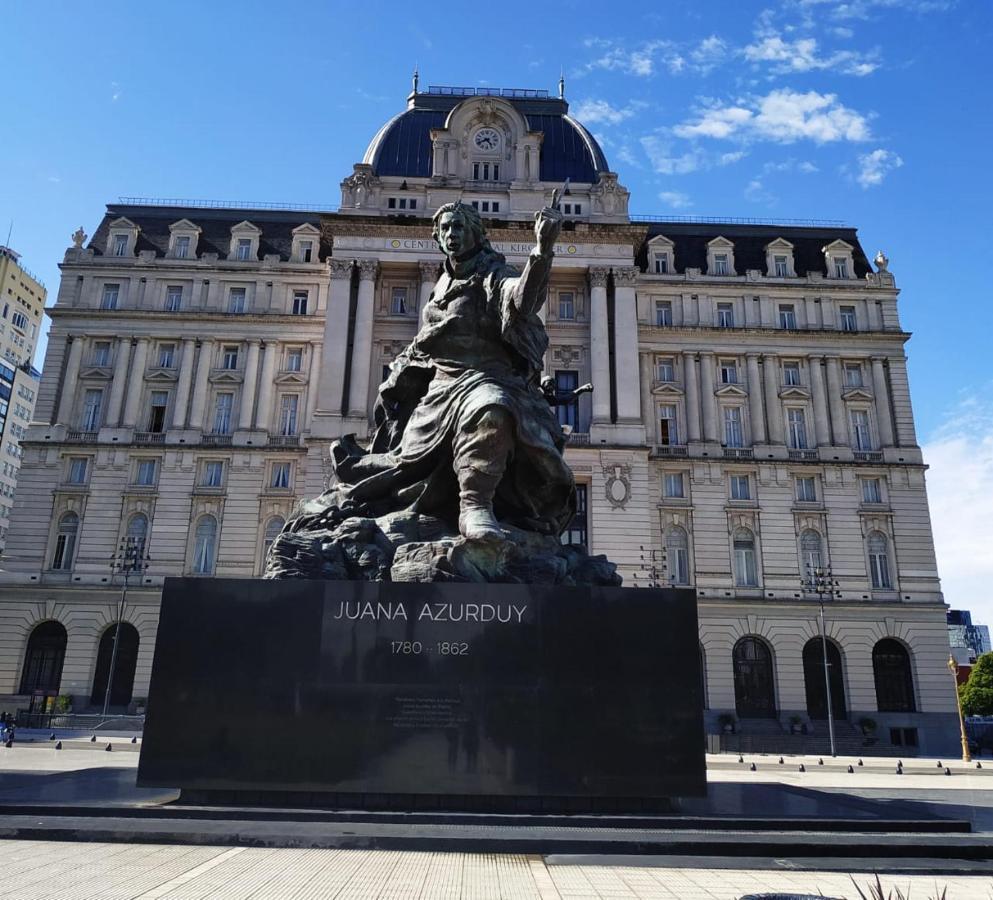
(476, 519)
(481, 452)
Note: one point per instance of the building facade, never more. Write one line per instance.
(963, 634)
(751, 415)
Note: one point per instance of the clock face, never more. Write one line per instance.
(487, 139)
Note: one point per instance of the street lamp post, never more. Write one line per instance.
(821, 581)
(129, 560)
(954, 669)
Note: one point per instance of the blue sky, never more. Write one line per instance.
(875, 112)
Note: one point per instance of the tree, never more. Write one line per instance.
(977, 693)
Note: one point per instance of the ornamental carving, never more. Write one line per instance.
(618, 486)
(429, 270)
(340, 268)
(598, 276)
(359, 190)
(368, 268)
(625, 275)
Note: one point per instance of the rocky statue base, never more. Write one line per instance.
(410, 547)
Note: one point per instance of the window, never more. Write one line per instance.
(729, 371)
(810, 553)
(740, 488)
(65, 542)
(665, 369)
(137, 532)
(787, 316)
(229, 356)
(110, 294)
(745, 572)
(44, 658)
(797, 426)
(174, 298)
(92, 409)
(306, 251)
(167, 356)
(861, 435)
(294, 359)
(733, 436)
(300, 303)
(725, 315)
(398, 302)
(572, 209)
(578, 532)
(848, 322)
(101, 353)
(288, 414)
(272, 530)
(223, 405)
(668, 433)
(484, 171)
(853, 375)
(567, 305)
(157, 411)
(244, 248)
(662, 264)
(78, 469)
(879, 562)
(872, 491)
(205, 546)
(806, 489)
(782, 266)
(567, 380)
(663, 313)
(720, 264)
(673, 485)
(120, 244)
(19, 320)
(145, 471)
(212, 474)
(677, 555)
(182, 246)
(280, 476)
(791, 373)
(841, 268)
(398, 203)
(236, 300)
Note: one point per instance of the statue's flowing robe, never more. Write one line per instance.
(481, 346)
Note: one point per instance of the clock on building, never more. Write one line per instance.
(487, 139)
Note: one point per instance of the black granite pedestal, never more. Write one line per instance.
(425, 696)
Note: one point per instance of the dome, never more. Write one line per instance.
(402, 147)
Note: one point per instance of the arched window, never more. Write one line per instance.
(43, 661)
(65, 542)
(894, 677)
(124, 666)
(272, 529)
(810, 553)
(205, 546)
(745, 572)
(754, 690)
(813, 677)
(137, 532)
(879, 561)
(678, 555)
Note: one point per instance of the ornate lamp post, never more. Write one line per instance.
(954, 669)
(821, 581)
(129, 560)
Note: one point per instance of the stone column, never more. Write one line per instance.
(755, 411)
(839, 421)
(902, 411)
(248, 391)
(70, 380)
(358, 393)
(773, 406)
(882, 397)
(118, 382)
(202, 382)
(708, 400)
(180, 407)
(692, 396)
(429, 276)
(136, 385)
(332, 381)
(645, 378)
(312, 381)
(822, 427)
(267, 385)
(599, 345)
(875, 316)
(626, 344)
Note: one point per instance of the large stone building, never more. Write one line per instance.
(751, 414)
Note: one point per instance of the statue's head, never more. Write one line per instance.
(458, 230)
(548, 384)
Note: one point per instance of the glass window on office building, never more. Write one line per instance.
(577, 532)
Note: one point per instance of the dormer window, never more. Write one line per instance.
(841, 268)
(244, 242)
(244, 248)
(838, 259)
(782, 267)
(183, 238)
(120, 245)
(721, 264)
(720, 257)
(121, 237)
(306, 240)
(662, 264)
(306, 251)
(661, 256)
(182, 247)
(779, 259)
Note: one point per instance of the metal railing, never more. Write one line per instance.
(149, 437)
(76, 436)
(738, 220)
(518, 93)
(227, 204)
(669, 450)
(81, 721)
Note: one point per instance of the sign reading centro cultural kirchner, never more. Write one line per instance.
(522, 696)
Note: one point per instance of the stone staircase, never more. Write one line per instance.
(769, 736)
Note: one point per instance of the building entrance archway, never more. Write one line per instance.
(813, 678)
(754, 679)
(124, 668)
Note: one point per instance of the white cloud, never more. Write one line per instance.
(863, 9)
(801, 55)
(790, 165)
(709, 53)
(591, 111)
(676, 199)
(638, 61)
(727, 159)
(782, 116)
(115, 92)
(960, 485)
(875, 166)
(756, 192)
(660, 154)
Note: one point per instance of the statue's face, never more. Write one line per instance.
(453, 234)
